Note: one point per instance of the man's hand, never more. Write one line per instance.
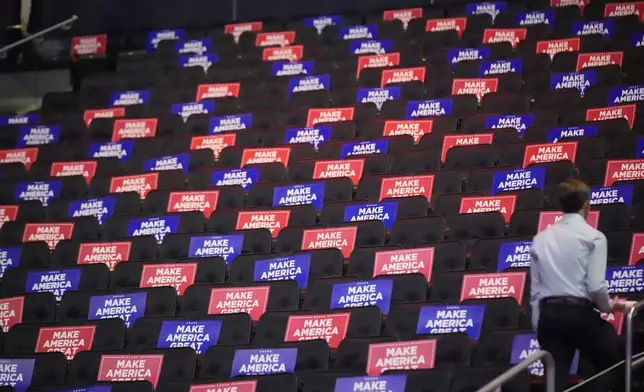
(619, 305)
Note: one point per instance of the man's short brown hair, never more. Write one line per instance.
(573, 195)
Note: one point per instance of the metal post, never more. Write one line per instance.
(234, 10)
(548, 363)
(39, 34)
(628, 363)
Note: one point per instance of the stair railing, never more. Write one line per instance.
(548, 363)
(31, 37)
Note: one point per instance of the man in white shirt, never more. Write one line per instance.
(568, 285)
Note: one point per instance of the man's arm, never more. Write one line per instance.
(535, 287)
(596, 276)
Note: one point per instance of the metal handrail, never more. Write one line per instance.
(639, 361)
(49, 29)
(628, 362)
(548, 362)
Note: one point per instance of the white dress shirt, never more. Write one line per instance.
(569, 259)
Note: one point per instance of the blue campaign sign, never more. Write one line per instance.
(611, 194)
(257, 362)
(244, 177)
(497, 67)
(579, 80)
(170, 162)
(121, 150)
(556, 134)
(296, 267)
(38, 135)
(225, 246)
(16, 373)
(604, 27)
(370, 46)
(20, 119)
(129, 307)
(294, 195)
(388, 383)
(375, 292)
(9, 258)
(526, 344)
(457, 55)
(57, 282)
(491, 8)
(515, 254)
(359, 32)
(194, 46)
(451, 319)
(44, 191)
(102, 208)
(517, 121)
(233, 122)
(378, 96)
(309, 83)
(290, 68)
(315, 135)
(320, 22)
(639, 147)
(154, 37)
(92, 388)
(624, 95)
(159, 227)
(204, 61)
(127, 98)
(198, 335)
(527, 18)
(380, 146)
(513, 180)
(186, 110)
(637, 40)
(429, 108)
(384, 211)
(625, 279)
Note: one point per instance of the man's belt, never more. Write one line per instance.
(567, 301)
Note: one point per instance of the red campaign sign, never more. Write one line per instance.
(549, 218)
(86, 169)
(411, 355)
(404, 15)
(51, 233)
(141, 183)
(275, 38)
(478, 87)
(273, 220)
(108, 253)
(91, 114)
(407, 186)
(330, 327)
(236, 29)
(378, 61)
(67, 340)
(404, 261)
(506, 284)
(11, 312)
(622, 9)
(457, 24)
(214, 142)
(513, 36)
(351, 168)
(552, 47)
(89, 45)
(564, 3)
(233, 386)
(402, 75)
(287, 53)
(220, 90)
(624, 170)
(475, 204)
(204, 201)
(26, 156)
(417, 129)
(598, 59)
(343, 238)
(251, 300)
(472, 139)
(329, 115)
(549, 152)
(145, 367)
(637, 249)
(615, 319)
(611, 112)
(8, 214)
(179, 275)
(134, 129)
(252, 156)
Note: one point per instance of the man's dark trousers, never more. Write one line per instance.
(566, 327)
